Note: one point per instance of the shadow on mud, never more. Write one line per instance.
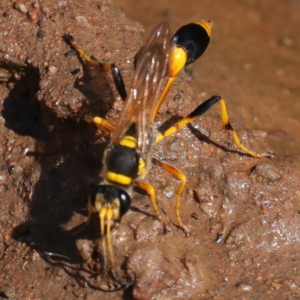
(68, 162)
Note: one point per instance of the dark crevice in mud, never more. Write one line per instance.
(21, 109)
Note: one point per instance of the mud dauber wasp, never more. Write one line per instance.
(127, 156)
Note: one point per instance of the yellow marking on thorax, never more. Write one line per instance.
(118, 178)
(128, 141)
(142, 167)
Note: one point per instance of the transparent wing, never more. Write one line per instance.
(152, 67)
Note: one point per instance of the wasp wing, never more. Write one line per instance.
(152, 67)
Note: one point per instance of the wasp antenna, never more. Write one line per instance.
(121, 281)
(104, 259)
(108, 235)
(116, 275)
(102, 215)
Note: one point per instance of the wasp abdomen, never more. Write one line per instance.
(194, 38)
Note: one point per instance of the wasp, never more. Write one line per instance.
(126, 159)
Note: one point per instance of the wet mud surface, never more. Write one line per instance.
(243, 212)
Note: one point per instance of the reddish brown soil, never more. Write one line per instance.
(243, 213)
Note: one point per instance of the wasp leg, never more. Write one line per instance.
(117, 76)
(149, 189)
(103, 124)
(227, 125)
(180, 176)
(118, 79)
(188, 44)
(201, 109)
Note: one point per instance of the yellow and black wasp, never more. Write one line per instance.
(126, 158)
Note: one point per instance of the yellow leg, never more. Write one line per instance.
(103, 124)
(180, 176)
(117, 76)
(82, 54)
(228, 126)
(149, 189)
(201, 109)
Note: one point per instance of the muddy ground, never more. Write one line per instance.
(243, 212)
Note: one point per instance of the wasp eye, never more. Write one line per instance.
(125, 202)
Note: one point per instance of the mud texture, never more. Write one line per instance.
(243, 213)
